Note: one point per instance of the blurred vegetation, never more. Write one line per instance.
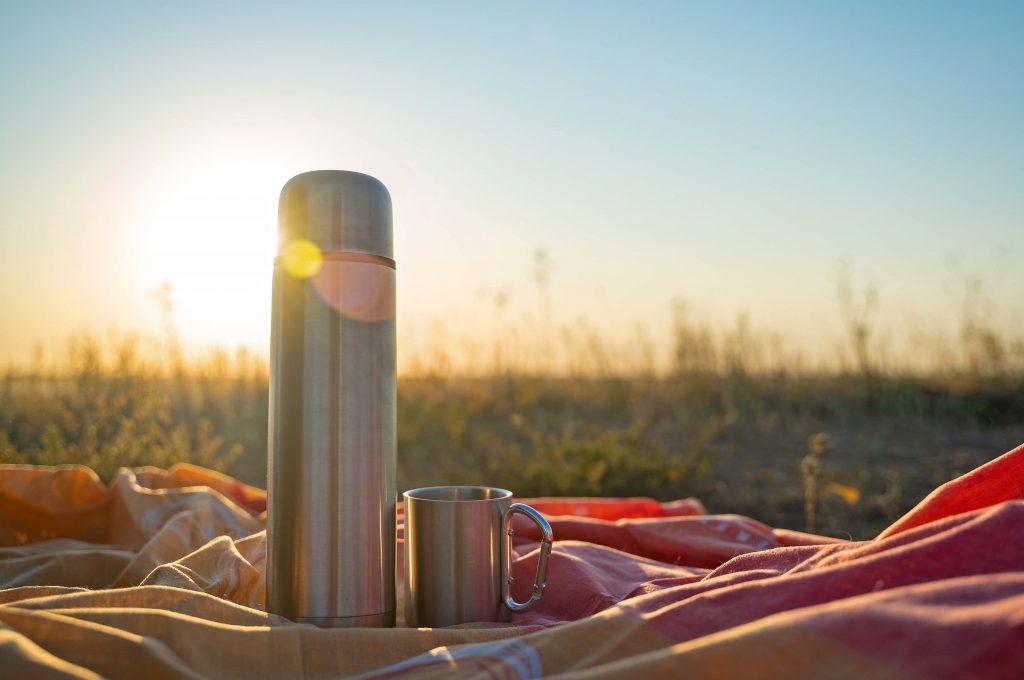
(732, 419)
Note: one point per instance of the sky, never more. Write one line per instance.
(732, 155)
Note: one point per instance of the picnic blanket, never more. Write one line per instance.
(160, 575)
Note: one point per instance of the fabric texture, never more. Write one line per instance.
(161, 575)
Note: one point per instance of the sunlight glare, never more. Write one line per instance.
(211, 234)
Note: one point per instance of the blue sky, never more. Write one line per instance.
(729, 154)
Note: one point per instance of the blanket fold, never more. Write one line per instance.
(161, 573)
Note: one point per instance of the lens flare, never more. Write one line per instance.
(302, 258)
(360, 291)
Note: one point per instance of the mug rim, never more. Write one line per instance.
(417, 494)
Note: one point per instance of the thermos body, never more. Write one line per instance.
(332, 439)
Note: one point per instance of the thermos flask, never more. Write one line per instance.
(331, 473)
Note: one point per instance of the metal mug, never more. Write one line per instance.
(458, 555)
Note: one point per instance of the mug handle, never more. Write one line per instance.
(547, 537)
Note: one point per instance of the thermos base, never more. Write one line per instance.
(382, 620)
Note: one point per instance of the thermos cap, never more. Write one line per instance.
(338, 211)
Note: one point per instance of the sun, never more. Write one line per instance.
(211, 233)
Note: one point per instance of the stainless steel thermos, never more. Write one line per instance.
(331, 478)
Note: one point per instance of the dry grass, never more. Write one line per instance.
(732, 416)
(724, 424)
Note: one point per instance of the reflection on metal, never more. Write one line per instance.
(331, 480)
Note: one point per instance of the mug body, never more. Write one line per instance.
(453, 555)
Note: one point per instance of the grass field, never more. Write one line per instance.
(842, 451)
